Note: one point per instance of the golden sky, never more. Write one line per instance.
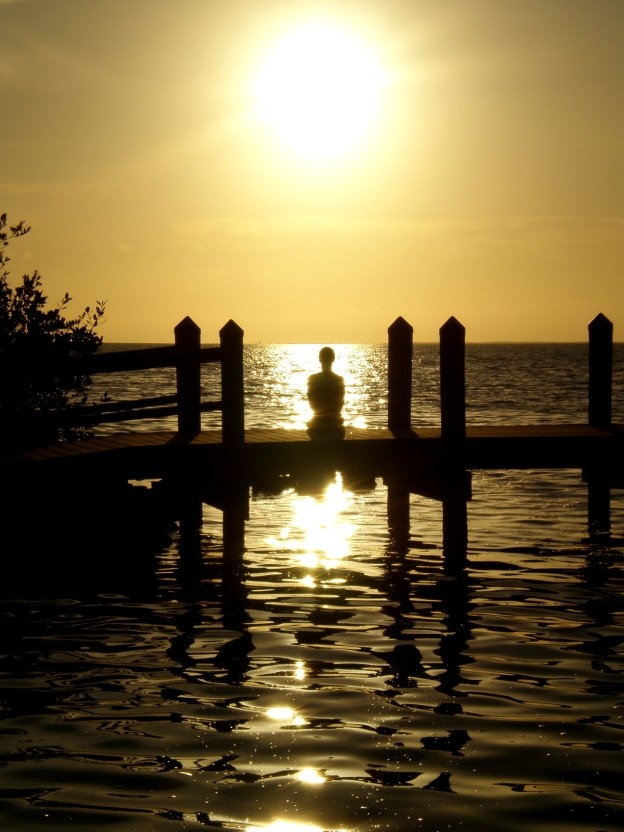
(314, 170)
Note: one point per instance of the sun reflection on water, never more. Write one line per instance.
(319, 534)
(311, 776)
(286, 716)
(318, 537)
(286, 826)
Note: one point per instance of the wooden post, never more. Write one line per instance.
(400, 349)
(188, 371)
(188, 368)
(232, 384)
(600, 371)
(236, 486)
(600, 384)
(453, 422)
(453, 380)
(400, 346)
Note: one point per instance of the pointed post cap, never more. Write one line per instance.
(400, 325)
(600, 324)
(452, 326)
(187, 325)
(231, 329)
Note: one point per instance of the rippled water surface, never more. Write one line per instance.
(341, 680)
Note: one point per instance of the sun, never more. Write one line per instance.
(319, 90)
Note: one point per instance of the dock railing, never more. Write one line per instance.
(187, 356)
(453, 377)
(452, 480)
(453, 471)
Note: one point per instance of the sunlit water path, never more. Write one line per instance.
(343, 682)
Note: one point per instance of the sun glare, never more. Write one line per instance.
(319, 89)
(311, 776)
(285, 826)
(286, 716)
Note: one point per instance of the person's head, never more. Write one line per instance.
(326, 357)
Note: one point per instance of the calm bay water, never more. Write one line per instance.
(344, 682)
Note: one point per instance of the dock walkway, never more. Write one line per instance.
(150, 455)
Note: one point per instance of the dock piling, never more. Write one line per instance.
(188, 377)
(599, 416)
(400, 348)
(235, 485)
(232, 384)
(453, 424)
(600, 371)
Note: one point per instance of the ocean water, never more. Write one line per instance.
(342, 681)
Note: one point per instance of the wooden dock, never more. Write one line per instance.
(151, 455)
(222, 467)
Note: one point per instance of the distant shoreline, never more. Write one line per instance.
(129, 345)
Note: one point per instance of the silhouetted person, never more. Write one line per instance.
(326, 398)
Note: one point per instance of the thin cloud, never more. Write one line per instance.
(340, 226)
